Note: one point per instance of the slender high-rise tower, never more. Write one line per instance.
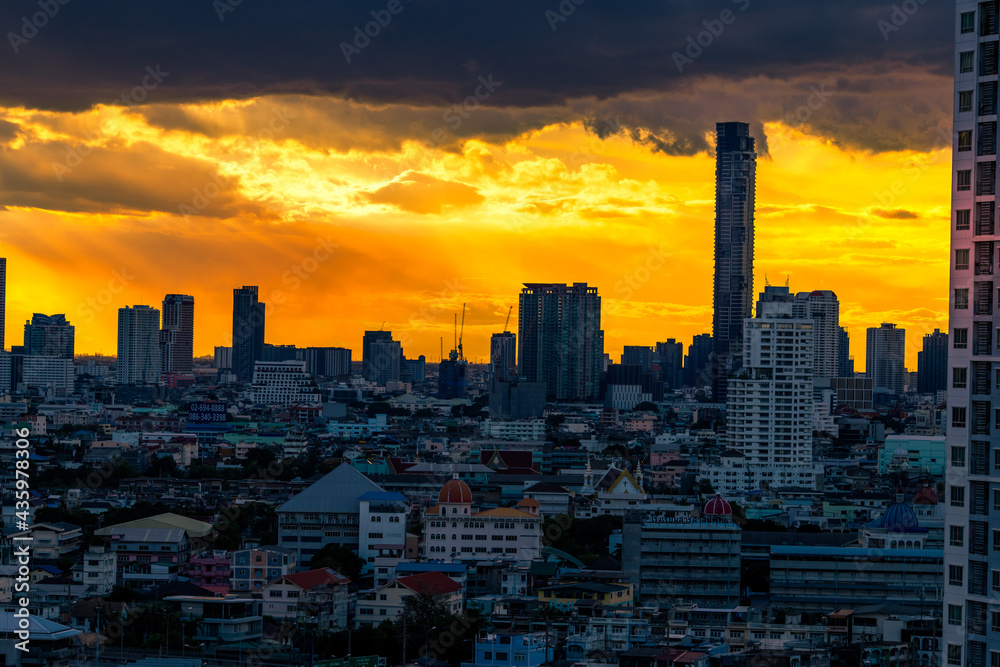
(971, 538)
(735, 177)
(3, 300)
(138, 345)
(177, 335)
(248, 331)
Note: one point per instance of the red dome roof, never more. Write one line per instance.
(925, 496)
(718, 506)
(455, 491)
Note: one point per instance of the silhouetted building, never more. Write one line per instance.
(735, 185)
(503, 355)
(670, 356)
(138, 345)
(516, 399)
(413, 370)
(276, 353)
(560, 341)
(327, 361)
(248, 331)
(177, 335)
(49, 335)
(932, 363)
(885, 358)
(638, 355)
(845, 362)
(452, 381)
(823, 308)
(697, 360)
(381, 357)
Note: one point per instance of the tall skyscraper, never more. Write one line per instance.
(823, 308)
(3, 300)
(177, 335)
(735, 185)
(381, 357)
(845, 362)
(932, 363)
(248, 332)
(770, 402)
(138, 345)
(49, 335)
(559, 339)
(971, 558)
(503, 355)
(885, 357)
(696, 362)
(670, 357)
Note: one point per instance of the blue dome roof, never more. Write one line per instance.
(898, 518)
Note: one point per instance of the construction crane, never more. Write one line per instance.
(507, 321)
(461, 333)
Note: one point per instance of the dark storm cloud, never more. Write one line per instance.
(624, 59)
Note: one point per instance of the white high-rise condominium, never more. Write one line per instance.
(823, 308)
(770, 402)
(138, 345)
(971, 628)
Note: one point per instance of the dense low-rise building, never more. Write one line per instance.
(321, 597)
(387, 602)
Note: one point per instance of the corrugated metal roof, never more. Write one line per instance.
(338, 491)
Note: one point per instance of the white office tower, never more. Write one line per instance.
(971, 628)
(770, 403)
(138, 345)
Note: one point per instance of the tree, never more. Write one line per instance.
(338, 558)
(162, 466)
(646, 406)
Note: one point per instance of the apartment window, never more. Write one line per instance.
(996, 579)
(965, 100)
(965, 61)
(959, 377)
(954, 614)
(960, 339)
(965, 140)
(963, 218)
(958, 496)
(958, 417)
(956, 536)
(954, 654)
(962, 298)
(995, 621)
(274, 594)
(958, 457)
(968, 22)
(962, 259)
(955, 575)
(964, 179)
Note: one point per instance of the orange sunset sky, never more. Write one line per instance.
(115, 206)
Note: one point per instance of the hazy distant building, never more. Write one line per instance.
(885, 357)
(381, 357)
(932, 363)
(282, 353)
(697, 360)
(637, 355)
(823, 308)
(670, 357)
(248, 331)
(559, 338)
(177, 335)
(328, 361)
(735, 186)
(413, 370)
(628, 385)
(48, 372)
(503, 355)
(223, 357)
(138, 345)
(516, 399)
(845, 362)
(452, 381)
(49, 335)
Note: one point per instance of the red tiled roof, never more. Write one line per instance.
(308, 580)
(430, 583)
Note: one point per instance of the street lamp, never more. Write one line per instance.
(427, 645)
